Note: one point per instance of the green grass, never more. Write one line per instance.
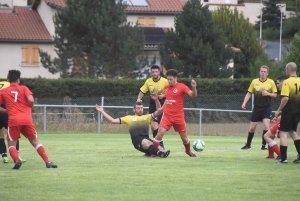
(107, 167)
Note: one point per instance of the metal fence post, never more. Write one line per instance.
(98, 123)
(102, 104)
(45, 119)
(252, 102)
(200, 122)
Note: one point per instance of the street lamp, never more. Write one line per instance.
(281, 10)
(260, 28)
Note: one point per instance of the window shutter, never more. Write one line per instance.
(142, 21)
(35, 56)
(151, 22)
(25, 55)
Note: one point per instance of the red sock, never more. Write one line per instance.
(187, 146)
(155, 143)
(276, 148)
(271, 152)
(42, 152)
(14, 153)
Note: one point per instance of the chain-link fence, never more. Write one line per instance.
(207, 114)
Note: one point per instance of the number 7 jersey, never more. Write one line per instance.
(17, 105)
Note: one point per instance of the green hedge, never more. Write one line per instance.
(74, 88)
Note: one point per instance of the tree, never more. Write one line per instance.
(196, 47)
(91, 37)
(270, 16)
(293, 55)
(240, 33)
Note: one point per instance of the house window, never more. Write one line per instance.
(146, 21)
(30, 55)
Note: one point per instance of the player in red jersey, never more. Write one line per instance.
(272, 145)
(19, 102)
(174, 110)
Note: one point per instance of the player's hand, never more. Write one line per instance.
(161, 96)
(265, 93)
(276, 114)
(243, 106)
(154, 96)
(193, 83)
(99, 108)
(161, 109)
(139, 100)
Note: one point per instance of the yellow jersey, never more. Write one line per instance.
(291, 89)
(154, 86)
(4, 84)
(138, 125)
(256, 87)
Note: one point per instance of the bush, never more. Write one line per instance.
(271, 34)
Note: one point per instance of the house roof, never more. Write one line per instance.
(159, 6)
(155, 6)
(22, 24)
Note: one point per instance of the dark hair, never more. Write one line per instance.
(155, 67)
(137, 103)
(13, 75)
(172, 72)
(281, 78)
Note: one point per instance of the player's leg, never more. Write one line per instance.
(155, 126)
(283, 146)
(3, 150)
(30, 133)
(147, 144)
(296, 139)
(13, 134)
(165, 125)
(267, 114)
(250, 135)
(272, 145)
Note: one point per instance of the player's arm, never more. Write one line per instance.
(283, 102)
(193, 92)
(107, 116)
(30, 100)
(246, 99)
(140, 97)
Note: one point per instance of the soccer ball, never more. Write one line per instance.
(199, 145)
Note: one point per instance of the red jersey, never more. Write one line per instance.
(174, 103)
(17, 105)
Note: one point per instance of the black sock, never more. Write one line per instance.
(154, 150)
(263, 139)
(17, 146)
(297, 145)
(283, 150)
(3, 148)
(249, 139)
(155, 132)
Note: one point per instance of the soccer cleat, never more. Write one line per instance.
(165, 154)
(191, 154)
(5, 159)
(264, 148)
(17, 165)
(278, 158)
(269, 157)
(297, 160)
(283, 162)
(246, 147)
(23, 160)
(147, 154)
(51, 165)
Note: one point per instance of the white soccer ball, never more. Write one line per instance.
(199, 145)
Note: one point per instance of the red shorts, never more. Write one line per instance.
(178, 123)
(13, 132)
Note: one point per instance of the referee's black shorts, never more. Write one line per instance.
(261, 112)
(3, 120)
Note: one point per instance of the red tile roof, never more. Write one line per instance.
(155, 6)
(22, 23)
(56, 3)
(159, 6)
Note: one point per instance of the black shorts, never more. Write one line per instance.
(289, 122)
(261, 112)
(3, 120)
(137, 143)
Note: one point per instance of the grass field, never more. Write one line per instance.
(106, 167)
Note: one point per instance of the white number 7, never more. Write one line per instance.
(16, 95)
